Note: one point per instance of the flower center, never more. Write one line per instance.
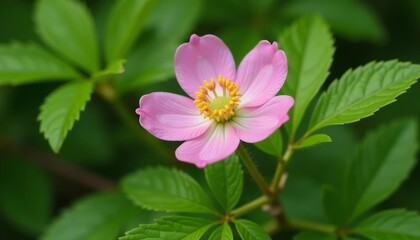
(220, 107)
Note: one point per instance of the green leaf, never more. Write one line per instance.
(67, 27)
(125, 22)
(308, 45)
(250, 231)
(302, 194)
(272, 145)
(61, 109)
(26, 195)
(391, 224)
(99, 216)
(313, 236)
(223, 232)
(151, 62)
(336, 207)
(314, 140)
(114, 68)
(27, 63)
(340, 15)
(170, 228)
(165, 189)
(381, 163)
(225, 179)
(241, 36)
(360, 93)
(173, 22)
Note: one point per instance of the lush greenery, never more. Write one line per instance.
(75, 163)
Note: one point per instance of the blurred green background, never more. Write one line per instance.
(36, 185)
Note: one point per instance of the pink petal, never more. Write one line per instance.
(201, 59)
(216, 144)
(257, 123)
(171, 117)
(261, 74)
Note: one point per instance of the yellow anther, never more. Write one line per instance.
(212, 104)
(203, 90)
(201, 104)
(208, 85)
(222, 81)
(213, 83)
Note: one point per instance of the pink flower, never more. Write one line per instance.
(224, 106)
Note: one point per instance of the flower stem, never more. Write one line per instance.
(307, 225)
(250, 206)
(108, 93)
(282, 162)
(253, 170)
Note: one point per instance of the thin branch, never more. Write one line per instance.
(253, 170)
(59, 167)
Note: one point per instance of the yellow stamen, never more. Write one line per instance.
(219, 108)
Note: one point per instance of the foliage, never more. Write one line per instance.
(99, 216)
(99, 57)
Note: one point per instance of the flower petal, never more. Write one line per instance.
(171, 117)
(257, 123)
(216, 144)
(201, 59)
(261, 74)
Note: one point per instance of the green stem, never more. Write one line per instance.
(301, 139)
(250, 206)
(128, 117)
(281, 165)
(300, 224)
(253, 170)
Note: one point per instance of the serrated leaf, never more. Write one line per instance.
(250, 231)
(170, 228)
(99, 216)
(61, 109)
(67, 27)
(391, 224)
(27, 63)
(313, 236)
(225, 179)
(223, 232)
(314, 140)
(26, 195)
(163, 189)
(272, 145)
(340, 15)
(361, 92)
(125, 22)
(381, 163)
(308, 45)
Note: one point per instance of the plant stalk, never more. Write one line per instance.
(281, 165)
(253, 170)
(250, 206)
(300, 224)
